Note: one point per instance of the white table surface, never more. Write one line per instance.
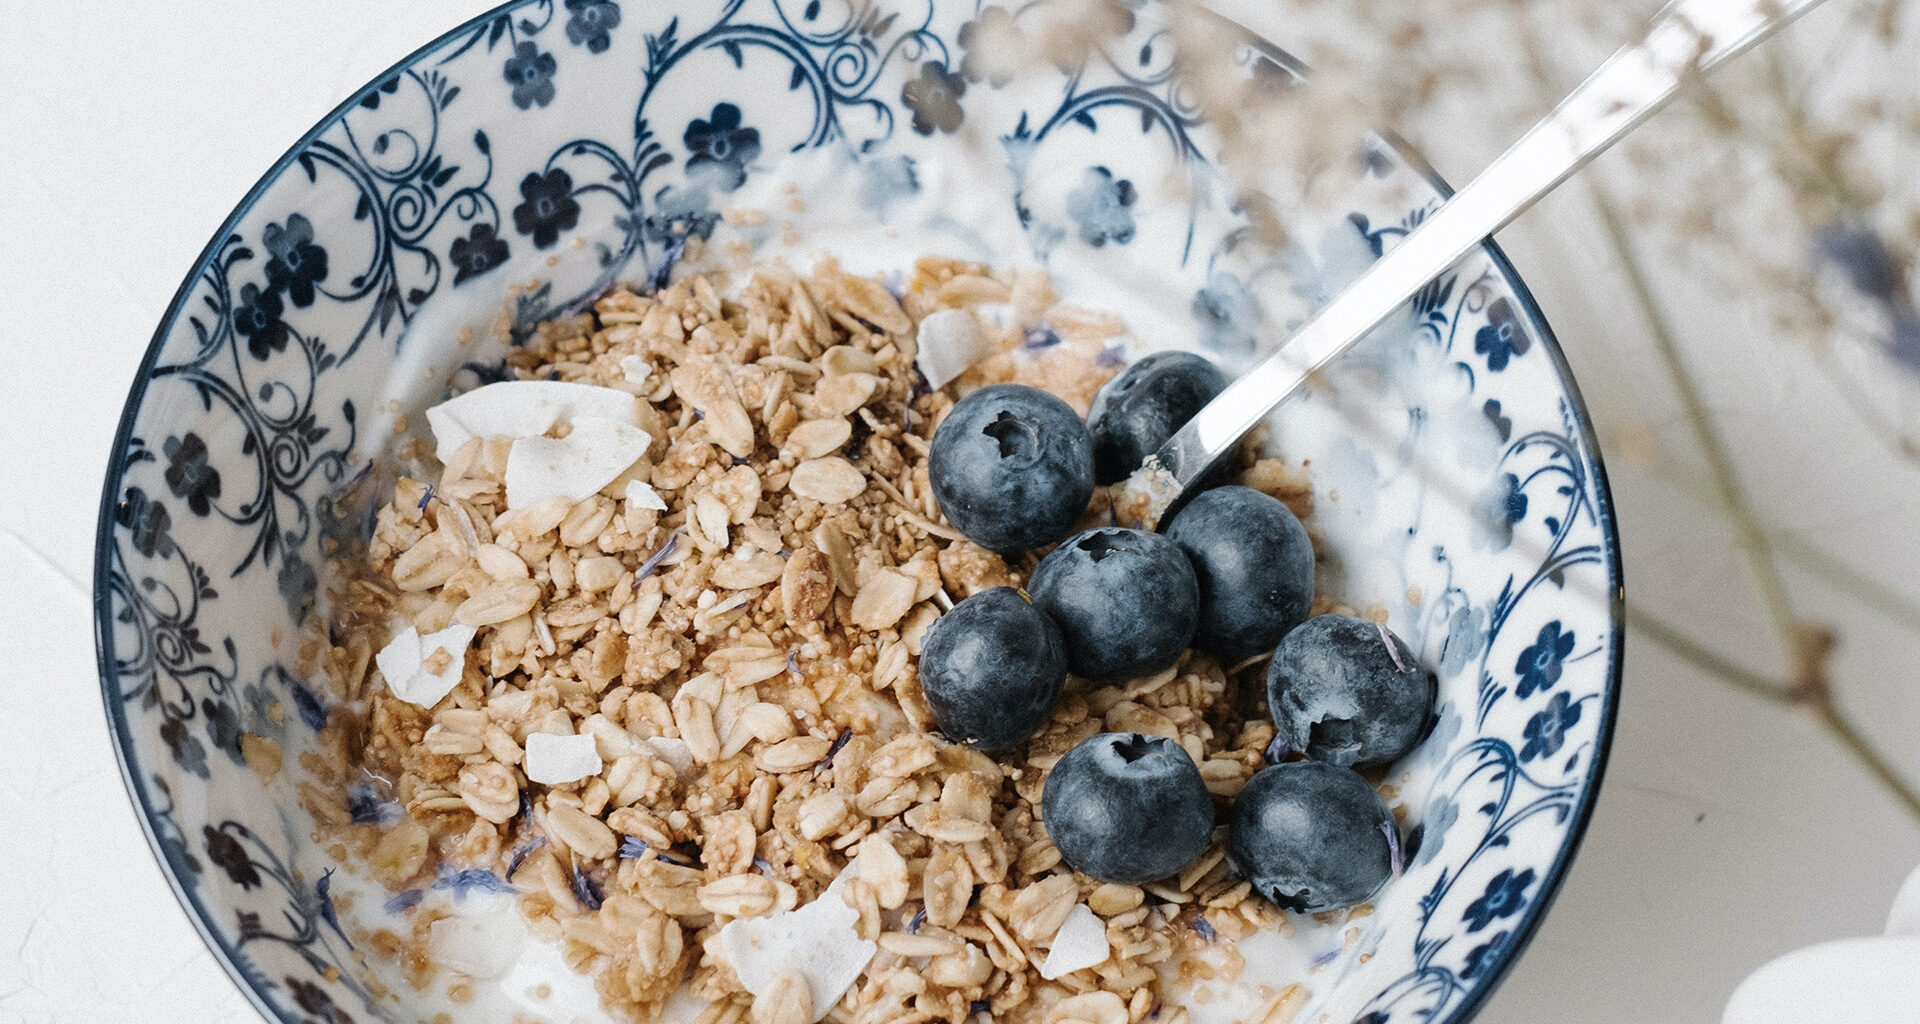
(1727, 832)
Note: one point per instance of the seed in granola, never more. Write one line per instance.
(841, 394)
(428, 563)
(708, 386)
(792, 755)
(815, 439)
(580, 832)
(882, 867)
(883, 600)
(830, 480)
(498, 601)
(749, 895)
(400, 854)
(1092, 1007)
(821, 814)
(747, 573)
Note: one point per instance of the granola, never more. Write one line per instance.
(689, 698)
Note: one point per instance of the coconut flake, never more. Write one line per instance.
(575, 466)
(404, 663)
(817, 940)
(477, 945)
(641, 494)
(1080, 943)
(635, 370)
(523, 408)
(557, 760)
(949, 340)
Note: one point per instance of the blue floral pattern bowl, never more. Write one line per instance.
(533, 156)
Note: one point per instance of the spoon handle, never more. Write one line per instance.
(1684, 40)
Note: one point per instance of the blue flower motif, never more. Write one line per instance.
(720, 143)
(1439, 819)
(147, 522)
(224, 850)
(297, 264)
(266, 715)
(190, 474)
(934, 98)
(1227, 314)
(547, 207)
(680, 213)
(1546, 731)
(1101, 206)
(297, 582)
(314, 999)
(1466, 635)
(1483, 958)
(991, 43)
(530, 72)
(477, 253)
(185, 865)
(592, 22)
(1500, 506)
(1506, 894)
(223, 727)
(313, 710)
(885, 182)
(1503, 337)
(257, 318)
(187, 752)
(1539, 665)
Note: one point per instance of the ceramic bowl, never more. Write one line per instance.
(529, 158)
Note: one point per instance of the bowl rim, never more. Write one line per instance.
(198, 914)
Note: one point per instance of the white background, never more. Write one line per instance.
(1728, 831)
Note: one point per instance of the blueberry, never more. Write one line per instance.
(1340, 693)
(991, 669)
(1311, 836)
(1254, 564)
(1127, 808)
(1125, 600)
(1012, 467)
(1140, 409)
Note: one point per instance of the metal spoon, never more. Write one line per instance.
(1684, 40)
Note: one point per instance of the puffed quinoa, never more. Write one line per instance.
(753, 696)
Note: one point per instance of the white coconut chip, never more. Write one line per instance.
(1080, 943)
(817, 940)
(557, 760)
(635, 370)
(949, 341)
(575, 466)
(523, 408)
(641, 494)
(479, 945)
(403, 663)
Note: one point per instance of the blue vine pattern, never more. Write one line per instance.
(234, 502)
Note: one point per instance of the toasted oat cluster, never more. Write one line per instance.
(743, 663)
